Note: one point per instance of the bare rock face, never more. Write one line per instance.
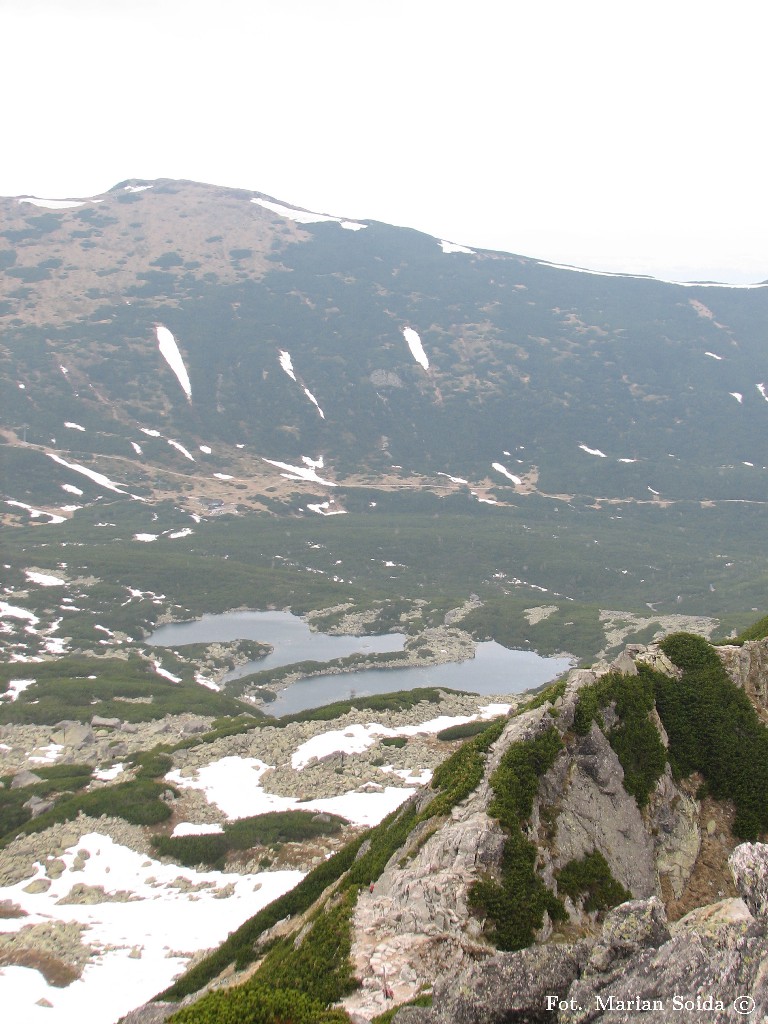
(711, 973)
(673, 821)
(713, 968)
(506, 988)
(749, 867)
(748, 668)
(597, 813)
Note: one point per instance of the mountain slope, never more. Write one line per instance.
(182, 352)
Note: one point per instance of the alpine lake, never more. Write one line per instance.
(494, 670)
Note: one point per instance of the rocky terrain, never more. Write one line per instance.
(694, 929)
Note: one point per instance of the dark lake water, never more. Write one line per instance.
(493, 670)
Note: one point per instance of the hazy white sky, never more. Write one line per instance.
(611, 134)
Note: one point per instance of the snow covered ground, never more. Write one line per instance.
(142, 944)
(152, 917)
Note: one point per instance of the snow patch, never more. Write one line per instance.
(306, 216)
(325, 509)
(74, 426)
(208, 683)
(136, 448)
(71, 489)
(299, 472)
(43, 579)
(146, 538)
(169, 350)
(417, 349)
(233, 784)
(205, 449)
(165, 673)
(314, 401)
(287, 364)
(98, 478)
(10, 611)
(737, 395)
(501, 469)
(182, 449)
(54, 204)
(449, 247)
(593, 451)
(15, 687)
(189, 828)
(36, 512)
(162, 917)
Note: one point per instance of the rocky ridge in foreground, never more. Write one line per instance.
(683, 933)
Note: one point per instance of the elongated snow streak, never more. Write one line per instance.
(761, 389)
(169, 350)
(165, 673)
(501, 469)
(593, 451)
(737, 395)
(73, 426)
(306, 216)
(287, 364)
(97, 478)
(713, 356)
(35, 512)
(54, 204)
(314, 401)
(417, 349)
(454, 479)
(136, 448)
(182, 449)
(627, 460)
(449, 247)
(71, 489)
(299, 472)
(149, 433)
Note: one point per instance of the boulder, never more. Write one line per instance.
(749, 867)
(37, 806)
(505, 988)
(72, 734)
(24, 778)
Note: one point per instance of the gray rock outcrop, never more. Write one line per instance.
(711, 966)
(748, 668)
